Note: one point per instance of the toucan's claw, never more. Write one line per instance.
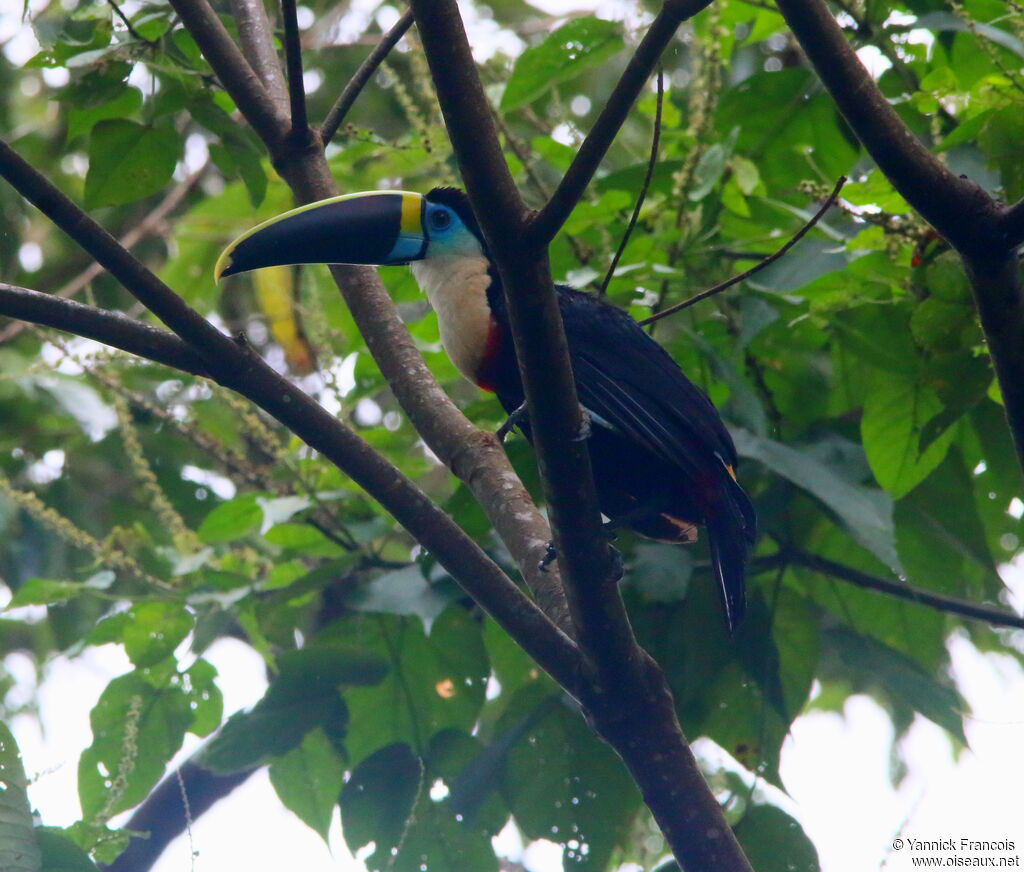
(583, 434)
(550, 556)
(513, 421)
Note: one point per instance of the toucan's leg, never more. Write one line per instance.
(515, 419)
(584, 432)
(551, 553)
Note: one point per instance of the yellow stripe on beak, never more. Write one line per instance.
(411, 206)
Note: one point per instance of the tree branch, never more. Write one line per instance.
(163, 815)
(585, 557)
(766, 261)
(961, 211)
(293, 61)
(1012, 225)
(623, 690)
(651, 164)
(475, 457)
(546, 224)
(363, 75)
(149, 225)
(235, 366)
(256, 35)
(228, 63)
(956, 207)
(110, 328)
(948, 604)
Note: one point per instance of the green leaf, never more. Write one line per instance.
(438, 841)
(377, 801)
(895, 412)
(435, 682)
(44, 591)
(204, 697)
(61, 854)
(572, 49)
(865, 512)
(904, 681)
(277, 510)
(231, 520)
(308, 780)
(402, 592)
(125, 103)
(19, 850)
(661, 572)
(304, 695)
(153, 631)
(775, 842)
(562, 782)
(128, 161)
(304, 538)
(137, 726)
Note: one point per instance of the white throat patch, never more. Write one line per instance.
(456, 287)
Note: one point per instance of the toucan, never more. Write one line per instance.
(662, 459)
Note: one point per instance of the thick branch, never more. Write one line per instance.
(547, 223)
(256, 35)
(956, 207)
(110, 328)
(584, 555)
(151, 224)
(235, 366)
(362, 75)
(997, 294)
(164, 817)
(1012, 225)
(233, 70)
(623, 692)
(475, 457)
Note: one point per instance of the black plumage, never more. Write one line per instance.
(663, 461)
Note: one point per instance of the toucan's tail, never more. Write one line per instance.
(732, 530)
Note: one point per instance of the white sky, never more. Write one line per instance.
(835, 768)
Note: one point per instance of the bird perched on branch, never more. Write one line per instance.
(663, 461)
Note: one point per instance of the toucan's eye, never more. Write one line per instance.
(440, 219)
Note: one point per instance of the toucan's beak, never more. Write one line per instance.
(376, 227)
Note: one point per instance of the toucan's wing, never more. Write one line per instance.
(630, 383)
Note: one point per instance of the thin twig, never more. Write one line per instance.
(293, 63)
(643, 188)
(151, 224)
(803, 231)
(124, 20)
(950, 605)
(542, 229)
(362, 75)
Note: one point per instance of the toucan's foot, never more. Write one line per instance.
(583, 434)
(550, 556)
(513, 421)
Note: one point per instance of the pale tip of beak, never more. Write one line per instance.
(223, 263)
